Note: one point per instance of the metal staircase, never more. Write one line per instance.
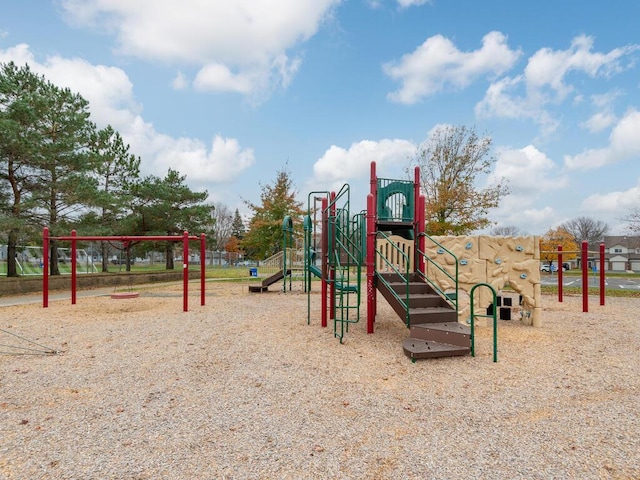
(399, 271)
(432, 320)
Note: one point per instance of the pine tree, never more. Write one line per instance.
(237, 227)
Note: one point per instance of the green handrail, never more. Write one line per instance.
(453, 278)
(495, 322)
(402, 275)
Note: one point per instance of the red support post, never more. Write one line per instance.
(203, 257)
(45, 267)
(421, 229)
(585, 278)
(602, 288)
(185, 271)
(331, 251)
(560, 272)
(74, 278)
(371, 264)
(74, 238)
(373, 182)
(416, 217)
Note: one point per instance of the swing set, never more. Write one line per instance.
(74, 239)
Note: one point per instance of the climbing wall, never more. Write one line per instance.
(497, 261)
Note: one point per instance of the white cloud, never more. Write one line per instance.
(544, 82)
(222, 163)
(548, 68)
(180, 81)
(339, 165)
(240, 46)
(218, 77)
(616, 203)
(531, 176)
(19, 54)
(411, 3)
(438, 64)
(624, 143)
(599, 121)
(528, 171)
(112, 102)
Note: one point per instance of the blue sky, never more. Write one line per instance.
(231, 92)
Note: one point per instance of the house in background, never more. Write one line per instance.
(622, 253)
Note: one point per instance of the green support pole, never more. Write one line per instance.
(495, 322)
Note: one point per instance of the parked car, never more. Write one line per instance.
(553, 268)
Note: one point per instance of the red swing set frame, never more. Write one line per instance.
(74, 238)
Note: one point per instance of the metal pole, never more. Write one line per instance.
(585, 278)
(560, 271)
(602, 289)
(45, 267)
(73, 267)
(371, 267)
(203, 255)
(185, 271)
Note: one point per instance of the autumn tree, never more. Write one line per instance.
(451, 161)
(233, 246)
(550, 241)
(585, 228)
(264, 235)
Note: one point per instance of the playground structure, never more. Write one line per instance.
(74, 238)
(420, 276)
(340, 246)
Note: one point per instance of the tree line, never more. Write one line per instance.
(57, 169)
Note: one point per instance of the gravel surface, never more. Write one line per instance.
(243, 388)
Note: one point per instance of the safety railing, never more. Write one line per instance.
(395, 200)
(451, 298)
(399, 269)
(495, 322)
